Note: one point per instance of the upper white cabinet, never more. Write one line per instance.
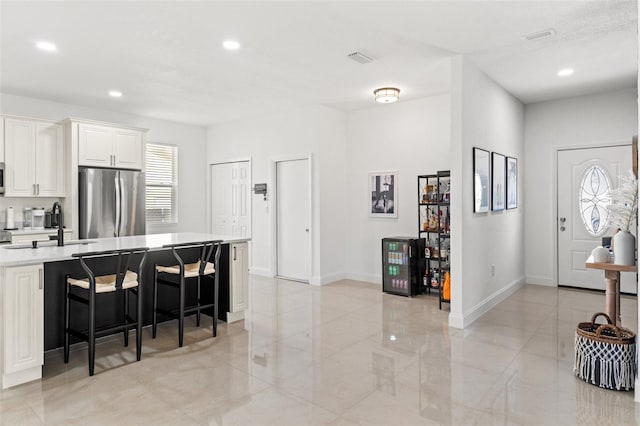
(106, 146)
(34, 158)
(23, 331)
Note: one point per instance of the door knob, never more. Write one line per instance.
(563, 219)
(306, 229)
(562, 228)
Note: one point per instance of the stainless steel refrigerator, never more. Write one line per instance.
(112, 203)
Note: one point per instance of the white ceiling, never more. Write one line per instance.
(167, 58)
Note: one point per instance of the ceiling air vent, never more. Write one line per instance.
(360, 58)
(539, 35)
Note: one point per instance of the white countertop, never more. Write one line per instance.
(45, 253)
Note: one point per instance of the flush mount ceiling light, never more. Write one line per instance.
(386, 95)
(566, 72)
(45, 45)
(231, 45)
(115, 94)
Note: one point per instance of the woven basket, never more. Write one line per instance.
(605, 355)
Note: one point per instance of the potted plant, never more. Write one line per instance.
(623, 209)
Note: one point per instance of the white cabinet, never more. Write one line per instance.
(23, 324)
(106, 146)
(34, 158)
(239, 280)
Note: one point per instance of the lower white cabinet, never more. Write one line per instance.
(238, 280)
(23, 324)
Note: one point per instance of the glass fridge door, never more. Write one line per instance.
(395, 264)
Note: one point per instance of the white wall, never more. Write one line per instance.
(190, 140)
(410, 137)
(484, 115)
(332, 197)
(313, 131)
(579, 121)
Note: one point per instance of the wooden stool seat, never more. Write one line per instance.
(191, 270)
(107, 283)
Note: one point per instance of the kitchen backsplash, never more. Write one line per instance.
(19, 204)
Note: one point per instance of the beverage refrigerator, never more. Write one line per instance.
(402, 265)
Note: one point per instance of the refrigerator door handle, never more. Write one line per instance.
(118, 207)
(122, 189)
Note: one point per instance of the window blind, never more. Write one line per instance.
(162, 177)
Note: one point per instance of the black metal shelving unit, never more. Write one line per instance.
(434, 226)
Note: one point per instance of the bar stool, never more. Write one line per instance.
(84, 291)
(175, 276)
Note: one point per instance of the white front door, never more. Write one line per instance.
(584, 175)
(230, 199)
(292, 219)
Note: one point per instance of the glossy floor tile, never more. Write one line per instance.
(341, 354)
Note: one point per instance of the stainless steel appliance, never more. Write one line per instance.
(37, 218)
(112, 203)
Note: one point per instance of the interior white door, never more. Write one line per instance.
(220, 199)
(292, 219)
(240, 190)
(584, 177)
(231, 189)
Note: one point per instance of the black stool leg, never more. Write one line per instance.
(139, 323)
(66, 319)
(181, 319)
(215, 303)
(154, 327)
(126, 319)
(198, 304)
(92, 331)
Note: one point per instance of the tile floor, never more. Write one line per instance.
(342, 354)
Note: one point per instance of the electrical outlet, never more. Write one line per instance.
(493, 270)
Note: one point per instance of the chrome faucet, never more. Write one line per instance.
(56, 211)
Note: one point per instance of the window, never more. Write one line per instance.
(594, 200)
(162, 182)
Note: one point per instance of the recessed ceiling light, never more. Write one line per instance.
(115, 94)
(231, 45)
(45, 45)
(565, 72)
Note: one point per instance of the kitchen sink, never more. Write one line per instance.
(42, 244)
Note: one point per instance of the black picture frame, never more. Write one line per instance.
(512, 183)
(498, 182)
(481, 180)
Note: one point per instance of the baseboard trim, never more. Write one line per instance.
(370, 278)
(484, 306)
(234, 316)
(328, 279)
(20, 377)
(540, 280)
(263, 272)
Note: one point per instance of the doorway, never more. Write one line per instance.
(584, 178)
(230, 199)
(293, 214)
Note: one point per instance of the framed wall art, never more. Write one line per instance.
(383, 194)
(498, 182)
(481, 180)
(512, 183)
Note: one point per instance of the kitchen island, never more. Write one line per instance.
(32, 292)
